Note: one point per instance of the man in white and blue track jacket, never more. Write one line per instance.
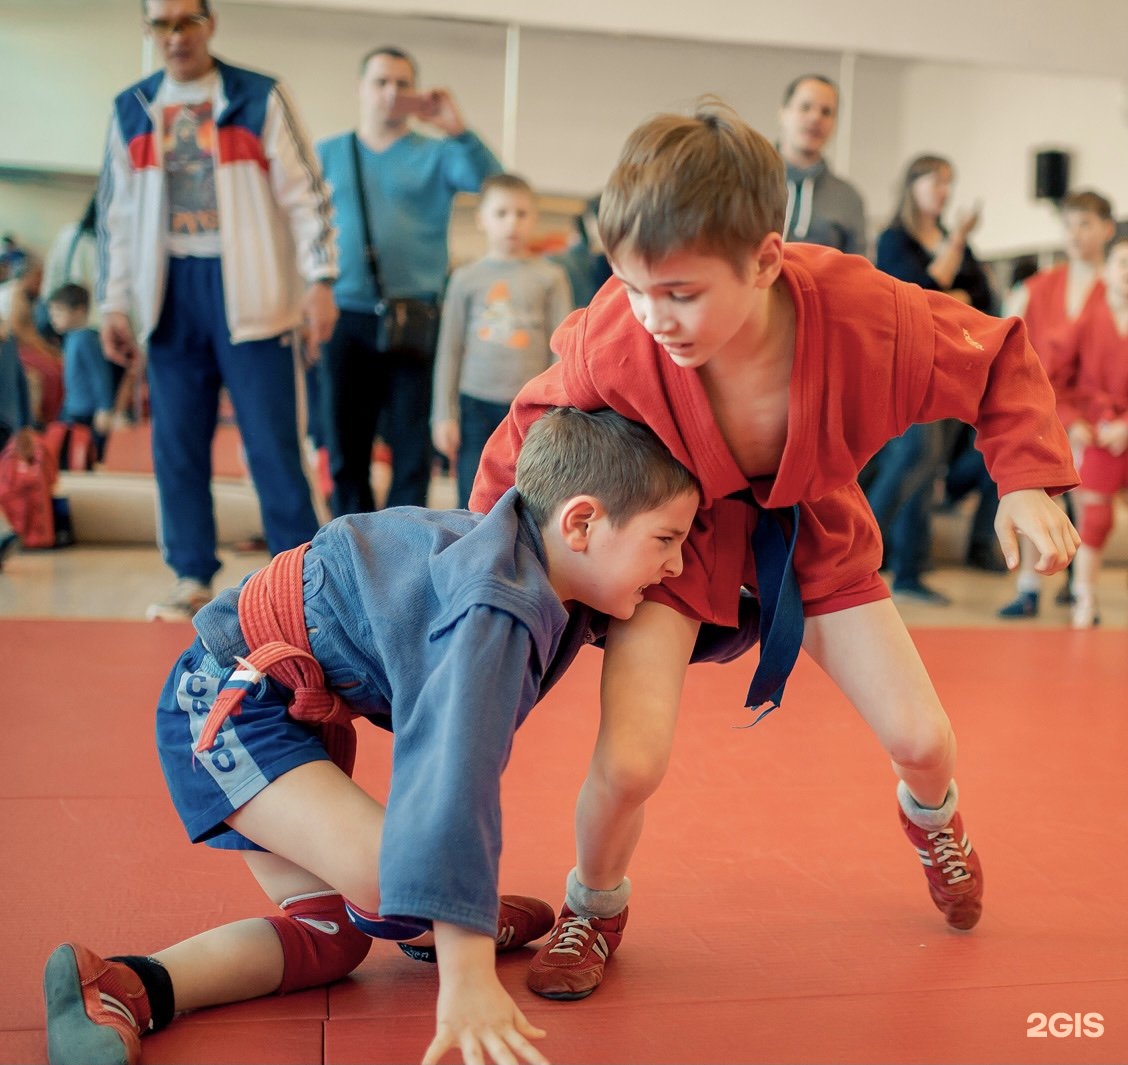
(215, 245)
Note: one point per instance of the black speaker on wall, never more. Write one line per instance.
(1051, 175)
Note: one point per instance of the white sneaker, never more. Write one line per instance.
(185, 597)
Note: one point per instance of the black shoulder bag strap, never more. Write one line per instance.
(370, 255)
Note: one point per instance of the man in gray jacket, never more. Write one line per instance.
(822, 208)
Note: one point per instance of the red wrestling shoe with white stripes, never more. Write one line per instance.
(570, 965)
(951, 866)
(96, 1009)
(520, 920)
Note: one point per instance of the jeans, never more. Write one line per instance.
(900, 496)
(362, 388)
(191, 357)
(478, 418)
(967, 473)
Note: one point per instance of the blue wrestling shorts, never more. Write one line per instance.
(252, 750)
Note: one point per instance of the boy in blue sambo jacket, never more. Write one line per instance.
(444, 627)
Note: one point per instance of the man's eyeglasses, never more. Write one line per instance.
(161, 27)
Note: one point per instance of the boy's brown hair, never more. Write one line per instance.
(709, 184)
(73, 297)
(505, 182)
(569, 452)
(1090, 201)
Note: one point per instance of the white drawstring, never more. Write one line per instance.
(806, 208)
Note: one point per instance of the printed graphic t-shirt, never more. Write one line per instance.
(188, 127)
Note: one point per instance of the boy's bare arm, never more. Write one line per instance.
(475, 1013)
(1033, 513)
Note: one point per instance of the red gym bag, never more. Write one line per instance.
(25, 493)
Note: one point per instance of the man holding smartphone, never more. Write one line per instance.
(393, 189)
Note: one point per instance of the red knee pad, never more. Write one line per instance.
(319, 942)
(1096, 524)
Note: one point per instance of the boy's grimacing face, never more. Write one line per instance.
(692, 304)
(620, 562)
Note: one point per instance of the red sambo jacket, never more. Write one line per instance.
(873, 355)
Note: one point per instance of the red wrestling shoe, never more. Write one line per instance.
(520, 920)
(951, 866)
(96, 1009)
(570, 965)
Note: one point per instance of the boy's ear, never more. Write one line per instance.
(575, 520)
(767, 260)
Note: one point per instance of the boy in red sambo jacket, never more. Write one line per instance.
(773, 372)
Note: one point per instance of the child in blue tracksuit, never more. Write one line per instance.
(88, 387)
(444, 627)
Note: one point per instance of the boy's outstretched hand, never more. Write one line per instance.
(475, 1013)
(1033, 513)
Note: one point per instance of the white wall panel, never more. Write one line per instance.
(580, 92)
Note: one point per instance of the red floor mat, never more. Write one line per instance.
(778, 916)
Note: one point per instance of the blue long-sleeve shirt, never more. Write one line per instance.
(410, 188)
(443, 627)
(88, 385)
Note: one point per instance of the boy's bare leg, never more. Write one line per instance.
(322, 822)
(312, 816)
(243, 959)
(1096, 513)
(643, 671)
(1086, 567)
(867, 651)
(97, 1010)
(644, 667)
(1086, 572)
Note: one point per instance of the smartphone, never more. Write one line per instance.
(414, 103)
